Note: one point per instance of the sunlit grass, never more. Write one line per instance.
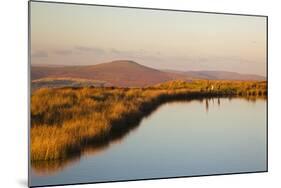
(64, 120)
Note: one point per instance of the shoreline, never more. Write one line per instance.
(49, 167)
(131, 106)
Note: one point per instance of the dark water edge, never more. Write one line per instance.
(123, 128)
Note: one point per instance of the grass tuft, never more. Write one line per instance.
(63, 120)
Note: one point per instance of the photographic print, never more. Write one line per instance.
(120, 93)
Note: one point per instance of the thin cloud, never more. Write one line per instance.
(133, 54)
(89, 49)
(39, 54)
(115, 51)
(63, 52)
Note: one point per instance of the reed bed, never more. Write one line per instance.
(64, 120)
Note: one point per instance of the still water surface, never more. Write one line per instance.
(211, 136)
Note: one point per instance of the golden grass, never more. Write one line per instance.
(66, 119)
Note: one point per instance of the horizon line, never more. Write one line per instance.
(132, 61)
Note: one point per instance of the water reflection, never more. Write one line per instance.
(48, 168)
(207, 105)
(51, 167)
(54, 166)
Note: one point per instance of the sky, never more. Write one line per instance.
(65, 34)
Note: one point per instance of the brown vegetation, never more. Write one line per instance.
(66, 82)
(121, 73)
(126, 73)
(65, 120)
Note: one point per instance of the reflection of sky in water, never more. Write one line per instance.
(180, 139)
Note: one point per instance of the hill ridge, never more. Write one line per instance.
(129, 73)
(124, 73)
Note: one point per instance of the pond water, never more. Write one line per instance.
(198, 137)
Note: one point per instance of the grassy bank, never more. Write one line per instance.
(65, 120)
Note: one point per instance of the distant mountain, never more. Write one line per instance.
(125, 73)
(122, 73)
(217, 75)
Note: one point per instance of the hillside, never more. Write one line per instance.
(217, 75)
(66, 82)
(125, 73)
(122, 73)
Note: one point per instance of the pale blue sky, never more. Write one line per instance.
(78, 35)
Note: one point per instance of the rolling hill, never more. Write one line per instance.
(120, 73)
(66, 82)
(223, 75)
(218, 75)
(125, 73)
